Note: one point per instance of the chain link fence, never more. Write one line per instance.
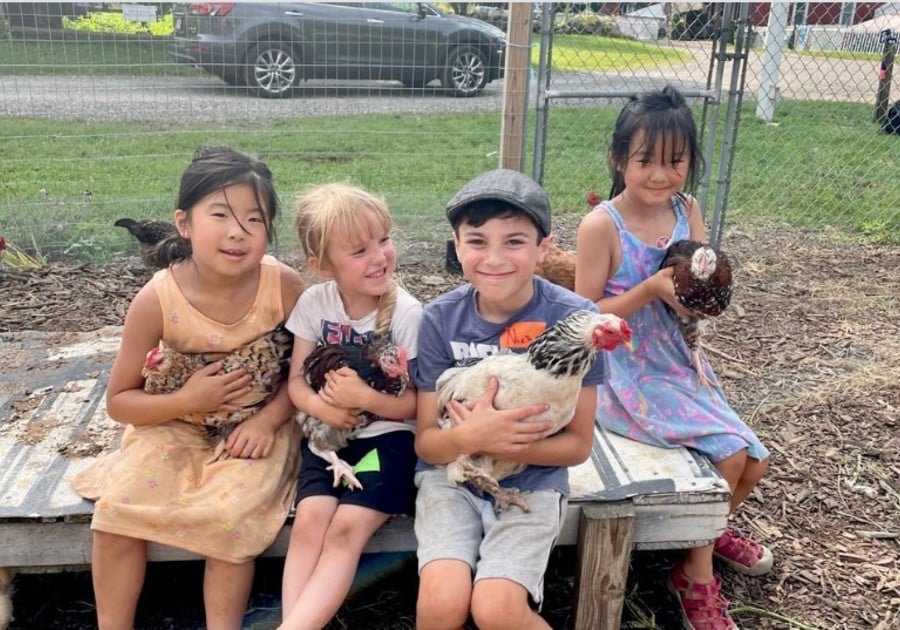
(101, 105)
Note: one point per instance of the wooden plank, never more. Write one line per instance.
(53, 423)
(605, 540)
(675, 525)
(515, 86)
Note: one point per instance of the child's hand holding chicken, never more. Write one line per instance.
(500, 433)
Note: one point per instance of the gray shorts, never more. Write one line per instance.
(452, 523)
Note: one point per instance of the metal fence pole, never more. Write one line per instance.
(742, 39)
(767, 94)
(885, 72)
(541, 103)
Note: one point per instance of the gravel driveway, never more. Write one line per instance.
(206, 99)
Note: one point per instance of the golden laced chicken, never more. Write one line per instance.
(266, 359)
(380, 364)
(702, 278)
(149, 234)
(558, 265)
(550, 371)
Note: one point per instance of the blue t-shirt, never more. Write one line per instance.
(453, 334)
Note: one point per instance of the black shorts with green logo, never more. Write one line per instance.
(384, 465)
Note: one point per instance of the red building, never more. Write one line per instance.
(818, 13)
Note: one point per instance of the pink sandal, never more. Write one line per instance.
(703, 607)
(743, 554)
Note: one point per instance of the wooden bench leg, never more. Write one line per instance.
(6, 577)
(605, 540)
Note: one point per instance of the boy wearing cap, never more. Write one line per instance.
(471, 558)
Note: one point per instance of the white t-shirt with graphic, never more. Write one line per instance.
(319, 317)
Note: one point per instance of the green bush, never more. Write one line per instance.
(108, 22)
(588, 22)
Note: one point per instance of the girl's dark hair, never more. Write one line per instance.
(663, 116)
(213, 169)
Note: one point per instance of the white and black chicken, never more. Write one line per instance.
(550, 371)
(380, 364)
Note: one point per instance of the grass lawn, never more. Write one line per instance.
(64, 183)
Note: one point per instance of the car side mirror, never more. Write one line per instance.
(423, 10)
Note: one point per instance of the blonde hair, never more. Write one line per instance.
(343, 210)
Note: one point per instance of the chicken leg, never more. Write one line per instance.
(697, 361)
(504, 498)
(341, 469)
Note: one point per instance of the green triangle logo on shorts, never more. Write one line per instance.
(370, 462)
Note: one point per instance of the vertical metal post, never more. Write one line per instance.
(742, 37)
(541, 103)
(767, 94)
(885, 72)
(711, 121)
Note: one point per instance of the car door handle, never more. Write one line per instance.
(374, 21)
(294, 13)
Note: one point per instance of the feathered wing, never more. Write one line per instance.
(551, 373)
(266, 359)
(366, 361)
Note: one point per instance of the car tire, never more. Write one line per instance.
(466, 71)
(272, 69)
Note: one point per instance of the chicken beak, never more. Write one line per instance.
(628, 344)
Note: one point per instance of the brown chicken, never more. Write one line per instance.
(266, 359)
(702, 278)
(558, 267)
(380, 364)
(149, 234)
(551, 372)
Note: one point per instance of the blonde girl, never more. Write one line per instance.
(345, 233)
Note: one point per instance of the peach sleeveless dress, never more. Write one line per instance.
(166, 484)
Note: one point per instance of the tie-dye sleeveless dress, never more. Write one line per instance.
(652, 394)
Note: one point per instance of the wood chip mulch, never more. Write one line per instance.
(809, 355)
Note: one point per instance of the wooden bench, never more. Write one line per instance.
(53, 423)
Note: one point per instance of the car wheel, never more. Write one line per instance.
(466, 71)
(272, 70)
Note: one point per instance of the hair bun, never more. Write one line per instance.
(676, 98)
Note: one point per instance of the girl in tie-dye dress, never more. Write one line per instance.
(653, 394)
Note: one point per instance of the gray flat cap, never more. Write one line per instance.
(509, 186)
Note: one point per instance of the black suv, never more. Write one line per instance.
(270, 47)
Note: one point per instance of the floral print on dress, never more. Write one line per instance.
(652, 394)
(166, 484)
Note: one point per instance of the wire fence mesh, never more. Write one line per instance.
(101, 106)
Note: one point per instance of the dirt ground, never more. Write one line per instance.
(809, 355)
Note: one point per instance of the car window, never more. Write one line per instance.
(400, 7)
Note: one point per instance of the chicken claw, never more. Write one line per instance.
(343, 470)
(504, 498)
(697, 360)
(339, 468)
